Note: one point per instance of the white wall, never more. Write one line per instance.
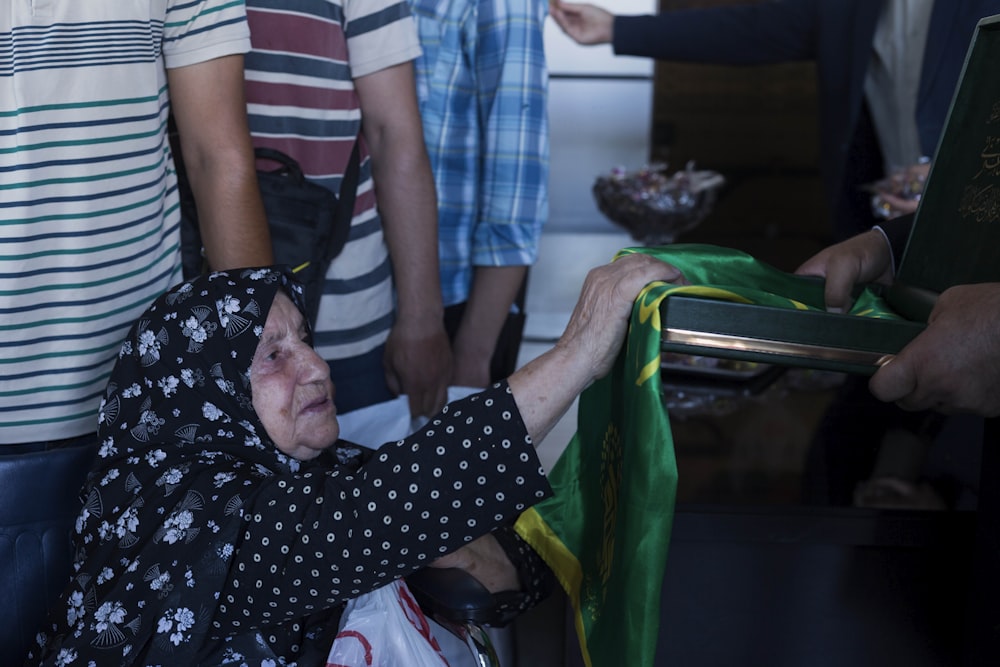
(600, 113)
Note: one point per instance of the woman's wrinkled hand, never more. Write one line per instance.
(597, 327)
(545, 387)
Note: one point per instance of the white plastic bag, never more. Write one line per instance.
(385, 628)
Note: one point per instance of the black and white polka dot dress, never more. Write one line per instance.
(326, 534)
(200, 543)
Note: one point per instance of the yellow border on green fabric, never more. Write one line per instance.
(709, 292)
(562, 562)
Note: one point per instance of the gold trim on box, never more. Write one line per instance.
(766, 346)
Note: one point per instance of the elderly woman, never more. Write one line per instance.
(224, 522)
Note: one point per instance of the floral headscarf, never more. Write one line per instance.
(180, 448)
(201, 336)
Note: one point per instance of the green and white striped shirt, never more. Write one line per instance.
(88, 199)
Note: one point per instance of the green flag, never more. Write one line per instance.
(606, 529)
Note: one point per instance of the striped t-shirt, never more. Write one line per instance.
(302, 101)
(88, 202)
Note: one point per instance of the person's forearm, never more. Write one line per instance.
(418, 359)
(407, 204)
(406, 199)
(210, 110)
(417, 356)
(545, 388)
(231, 216)
(494, 289)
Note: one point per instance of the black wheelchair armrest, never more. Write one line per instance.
(462, 605)
(454, 595)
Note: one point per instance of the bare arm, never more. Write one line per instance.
(494, 289)
(210, 110)
(418, 355)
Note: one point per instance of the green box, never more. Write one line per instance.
(955, 240)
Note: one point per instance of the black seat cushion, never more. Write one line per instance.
(39, 502)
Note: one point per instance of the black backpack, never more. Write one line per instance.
(309, 225)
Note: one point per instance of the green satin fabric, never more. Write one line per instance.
(725, 273)
(606, 530)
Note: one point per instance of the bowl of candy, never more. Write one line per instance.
(654, 206)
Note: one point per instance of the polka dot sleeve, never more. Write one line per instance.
(318, 538)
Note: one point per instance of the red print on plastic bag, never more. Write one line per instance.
(385, 628)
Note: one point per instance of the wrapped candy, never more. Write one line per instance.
(655, 207)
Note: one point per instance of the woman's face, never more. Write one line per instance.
(291, 387)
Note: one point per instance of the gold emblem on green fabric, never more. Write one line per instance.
(611, 478)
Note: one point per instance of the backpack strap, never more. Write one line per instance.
(345, 205)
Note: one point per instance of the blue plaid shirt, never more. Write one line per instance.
(482, 86)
